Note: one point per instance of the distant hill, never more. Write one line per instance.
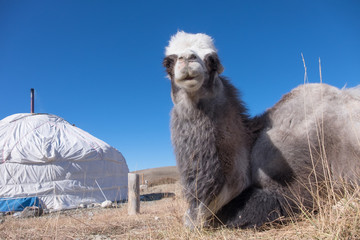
(157, 176)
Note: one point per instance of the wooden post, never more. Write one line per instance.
(133, 194)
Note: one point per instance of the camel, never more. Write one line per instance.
(241, 171)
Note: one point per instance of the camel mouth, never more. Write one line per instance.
(188, 78)
(189, 82)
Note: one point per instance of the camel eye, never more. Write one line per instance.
(181, 58)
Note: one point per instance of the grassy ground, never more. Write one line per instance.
(163, 220)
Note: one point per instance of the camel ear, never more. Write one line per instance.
(169, 63)
(212, 63)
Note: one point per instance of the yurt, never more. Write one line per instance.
(42, 156)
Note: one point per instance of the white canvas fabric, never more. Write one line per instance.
(43, 155)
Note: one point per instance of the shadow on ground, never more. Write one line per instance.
(155, 196)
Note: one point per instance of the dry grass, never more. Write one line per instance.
(163, 220)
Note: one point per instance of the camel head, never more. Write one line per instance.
(191, 62)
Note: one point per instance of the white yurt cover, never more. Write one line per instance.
(43, 155)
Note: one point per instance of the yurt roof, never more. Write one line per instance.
(40, 138)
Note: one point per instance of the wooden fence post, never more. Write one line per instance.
(133, 194)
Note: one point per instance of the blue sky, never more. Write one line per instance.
(98, 64)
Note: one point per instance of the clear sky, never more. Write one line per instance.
(98, 64)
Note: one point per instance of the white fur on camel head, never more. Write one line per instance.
(191, 60)
(200, 43)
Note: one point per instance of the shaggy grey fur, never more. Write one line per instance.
(243, 172)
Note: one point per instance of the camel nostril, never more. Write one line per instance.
(192, 57)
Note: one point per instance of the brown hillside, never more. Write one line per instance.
(157, 176)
